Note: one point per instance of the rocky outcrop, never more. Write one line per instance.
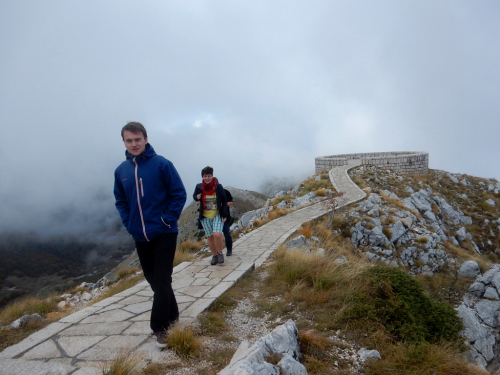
(409, 231)
(480, 312)
(251, 359)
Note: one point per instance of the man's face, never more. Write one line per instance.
(207, 178)
(134, 142)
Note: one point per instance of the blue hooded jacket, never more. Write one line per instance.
(149, 195)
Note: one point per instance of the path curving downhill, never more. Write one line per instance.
(80, 342)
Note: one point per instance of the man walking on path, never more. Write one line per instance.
(149, 197)
(227, 225)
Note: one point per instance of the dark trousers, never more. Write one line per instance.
(227, 235)
(157, 261)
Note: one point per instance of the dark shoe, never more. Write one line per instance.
(229, 253)
(220, 256)
(161, 339)
(215, 260)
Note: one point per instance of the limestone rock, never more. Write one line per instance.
(341, 260)
(461, 234)
(368, 354)
(429, 215)
(25, 319)
(296, 189)
(491, 293)
(304, 200)
(247, 218)
(290, 366)
(397, 230)
(469, 268)
(281, 204)
(491, 202)
(251, 360)
(299, 242)
(452, 178)
(487, 311)
(477, 289)
(488, 276)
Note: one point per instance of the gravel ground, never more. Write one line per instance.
(246, 326)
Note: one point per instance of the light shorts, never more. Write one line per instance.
(212, 225)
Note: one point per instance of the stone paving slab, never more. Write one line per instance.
(78, 343)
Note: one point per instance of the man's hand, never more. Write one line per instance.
(198, 196)
(230, 204)
(223, 219)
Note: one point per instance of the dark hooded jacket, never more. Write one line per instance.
(149, 195)
(221, 200)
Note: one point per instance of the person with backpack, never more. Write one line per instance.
(214, 212)
(227, 225)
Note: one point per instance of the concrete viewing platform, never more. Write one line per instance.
(79, 343)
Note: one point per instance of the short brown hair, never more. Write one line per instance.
(207, 170)
(135, 127)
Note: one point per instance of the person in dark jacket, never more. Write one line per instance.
(227, 225)
(150, 196)
(213, 212)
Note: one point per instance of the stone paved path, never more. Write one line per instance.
(80, 342)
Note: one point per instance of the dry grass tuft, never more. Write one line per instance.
(311, 340)
(124, 363)
(183, 255)
(422, 359)
(190, 246)
(78, 289)
(320, 192)
(306, 232)
(221, 357)
(258, 223)
(127, 272)
(11, 336)
(28, 305)
(312, 185)
(212, 322)
(184, 342)
(274, 214)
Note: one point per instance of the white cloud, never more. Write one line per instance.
(254, 89)
(206, 120)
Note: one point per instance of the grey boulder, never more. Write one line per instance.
(469, 268)
(289, 366)
(25, 319)
(299, 242)
(365, 354)
(251, 360)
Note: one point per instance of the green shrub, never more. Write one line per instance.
(398, 302)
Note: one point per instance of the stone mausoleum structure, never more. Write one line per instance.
(406, 162)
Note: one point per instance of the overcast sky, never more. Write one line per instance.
(254, 89)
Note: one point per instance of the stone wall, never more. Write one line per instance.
(407, 162)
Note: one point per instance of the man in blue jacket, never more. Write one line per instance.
(149, 197)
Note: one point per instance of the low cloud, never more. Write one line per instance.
(256, 91)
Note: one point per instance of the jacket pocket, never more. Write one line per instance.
(170, 225)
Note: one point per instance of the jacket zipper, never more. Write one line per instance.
(139, 199)
(142, 187)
